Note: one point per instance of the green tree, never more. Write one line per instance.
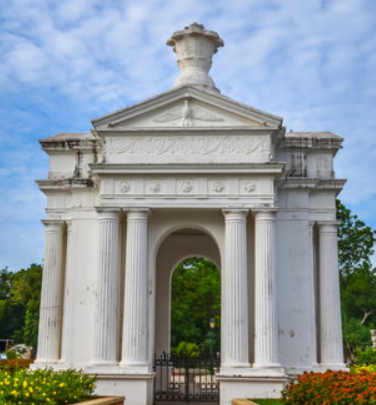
(11, 314)
(195, 299)
(356, 243)
(26, 292)
(19, 304)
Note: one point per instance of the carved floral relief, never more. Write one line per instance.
(124, 187)
(218, 186)
(186, 187)
(188, 145)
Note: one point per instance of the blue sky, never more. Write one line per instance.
(64, 63)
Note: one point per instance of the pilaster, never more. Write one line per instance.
(312, 283)
(331, 349)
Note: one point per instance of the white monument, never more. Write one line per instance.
(191, 173)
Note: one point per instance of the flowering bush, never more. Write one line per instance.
(332, 387)
(15, 364)
(356, 368)
(42, 387)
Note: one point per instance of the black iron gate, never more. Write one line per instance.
(186, 379)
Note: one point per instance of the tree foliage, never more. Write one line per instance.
(195, 299)
(19, 304)
(356, 243)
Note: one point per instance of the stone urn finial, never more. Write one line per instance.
(195, 48)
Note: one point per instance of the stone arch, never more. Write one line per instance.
(178, 245)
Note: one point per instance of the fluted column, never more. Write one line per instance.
(234, 310)
(106, 311)
(67, 311)
(266, 338)
(312, 283)
(329, 297)
(50, 320)
(134, 349)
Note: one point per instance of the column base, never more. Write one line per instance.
(266, 365)
(43, 363)
(103, 363)
(128, 369)
(235, 366)
(251, 372)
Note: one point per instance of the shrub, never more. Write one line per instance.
(332, 387)
(366, 357)
(44, 387)
(356, 368)
(186, 349)
(12, 365)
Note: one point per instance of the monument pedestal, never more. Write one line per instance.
(136, 387)
(250, 383)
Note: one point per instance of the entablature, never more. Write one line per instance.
(198, 189)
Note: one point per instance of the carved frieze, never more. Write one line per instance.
(188, 187)
(187, 145)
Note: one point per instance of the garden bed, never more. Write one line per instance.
(239, 401)
(103, 401)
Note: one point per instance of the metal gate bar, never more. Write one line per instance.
(186, 379)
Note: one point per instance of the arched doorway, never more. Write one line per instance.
(183, 375)
(195, 308)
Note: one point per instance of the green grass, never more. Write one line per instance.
(267, 401)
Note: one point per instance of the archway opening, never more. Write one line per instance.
(195, 308)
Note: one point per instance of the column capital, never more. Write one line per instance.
(140, 214)
(268, 214)
(52, 222)
(135, 210)
(235, 213)
(264, 209)
(104, 210)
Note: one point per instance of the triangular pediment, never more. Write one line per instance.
(187, 107)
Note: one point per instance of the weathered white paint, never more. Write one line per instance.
(191, 173)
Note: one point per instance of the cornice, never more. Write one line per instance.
(312, 183)
(69, 145)
(310, 143)
(250, 168)
(186, 92)
(64, 184)
(147, 131)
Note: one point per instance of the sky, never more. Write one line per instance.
(63, 63)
